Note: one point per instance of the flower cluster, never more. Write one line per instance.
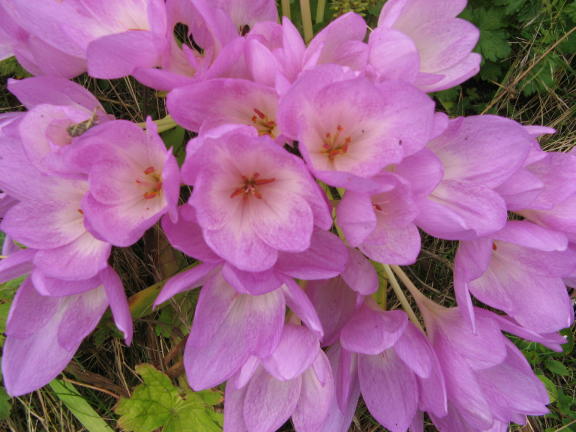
(311, 164)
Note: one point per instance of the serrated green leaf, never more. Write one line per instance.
(5, 405)
(556, 367)
(158, 404)
(79, 407)
(493, 44)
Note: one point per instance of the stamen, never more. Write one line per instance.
(333, 146)
(151, 181)
(263, 123)
(250, 186)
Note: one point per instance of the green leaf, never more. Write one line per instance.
(11, 67)
(5, 405)
(556, 367)
(550, 387)
(79, 407)
(158, 404)
(174, 139)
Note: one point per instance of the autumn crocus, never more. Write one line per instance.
(295, 380)
(350, 128)
(133, 181)
(519, 270)
(213, 103)
(110, 39)
(60, 112)
(465, 203)
(44, 332)
(422, 41)
(252, 199)
(48, 217)
(488, 381)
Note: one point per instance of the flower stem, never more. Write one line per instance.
(320, 11)
(163, 124)
(306, 19)
(408, 283)
(401, 297)
(286, 9)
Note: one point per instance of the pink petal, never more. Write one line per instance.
(297, 349)
(31, 361)
(372, 331)
(118, 302)
(118, 55)
(228, 328)
(269, 402)
(81, 259)
(389, 389)
(360, 274)
(300, 304)
(315, 397)
(325, 258)
(184, 281)
(334, 303)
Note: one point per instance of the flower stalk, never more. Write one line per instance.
(401, 296)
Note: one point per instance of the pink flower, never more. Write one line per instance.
(488, 381)
(133, 181)
(465, 204)
(295, 380)
(349, 127)
(60, 112)
(422, 41)
(519, 270)
(114, 38)
(43, 332)
(253, 199)
(213, 103)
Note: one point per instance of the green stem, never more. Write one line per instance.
(401, 297)
(163, 124)
(320, 11)
(286, 9)
(306, 20)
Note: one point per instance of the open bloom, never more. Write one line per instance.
(133, 181)
(351, 128)
(49, 217)
(465, 204)
(60, 112)
(253, 199)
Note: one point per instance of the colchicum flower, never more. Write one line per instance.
(308, 172)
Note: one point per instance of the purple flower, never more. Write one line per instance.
(488, 381)
(422, 42)
(295, 380)
(519, 270)
(60, 112)
(351, 128)
(253, 199)
(43, 332)
(133, 181)
(465, 204)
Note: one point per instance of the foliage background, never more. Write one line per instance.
(528, 74)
